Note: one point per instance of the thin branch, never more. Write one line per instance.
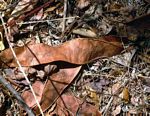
(64, 16)
(16, 95)
(20, 67)
(43, 21)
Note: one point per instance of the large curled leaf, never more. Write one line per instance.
(77, 51)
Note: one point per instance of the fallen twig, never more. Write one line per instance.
(16, 95)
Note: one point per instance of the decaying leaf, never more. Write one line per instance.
(115, 6)
(38, 87)
(77, 51)
(52, 8)
(82, 3)
(73, 106)
(105, 27)
(126, 58)
(93, 95)
(2, 47)
(39, 15)
(125, 95)
(23, 6)
(54, 87)
(84, 32)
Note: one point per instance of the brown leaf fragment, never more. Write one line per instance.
(54, 87)
(38, 88)
(23, 6)
(77, 51)
(71, 106)
(85, 32)
(83, 3)
(125, 95)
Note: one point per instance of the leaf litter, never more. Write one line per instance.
(99, 64)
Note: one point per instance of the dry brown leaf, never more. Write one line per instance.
(77, 51)
(38, 87)
(93, 95)
(83, 3)
(115, 6)
(23, 6)
(54, 87)
(125, 95)
(73, 106)
(52, 8)
(39, 15)
(85, 32)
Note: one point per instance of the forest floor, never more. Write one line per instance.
(74, 57)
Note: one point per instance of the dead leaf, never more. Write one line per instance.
(83, 3)
(93, 95)
(77, 51)
(24, 10)
(38, 88)
(125, 59)
(39, 15)
(23, 6)
(52, 8)
(105, 27)
(125, 95)
(2, 47)
(73, 106)
(85, 32)
(54, 87)
(115, 6)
